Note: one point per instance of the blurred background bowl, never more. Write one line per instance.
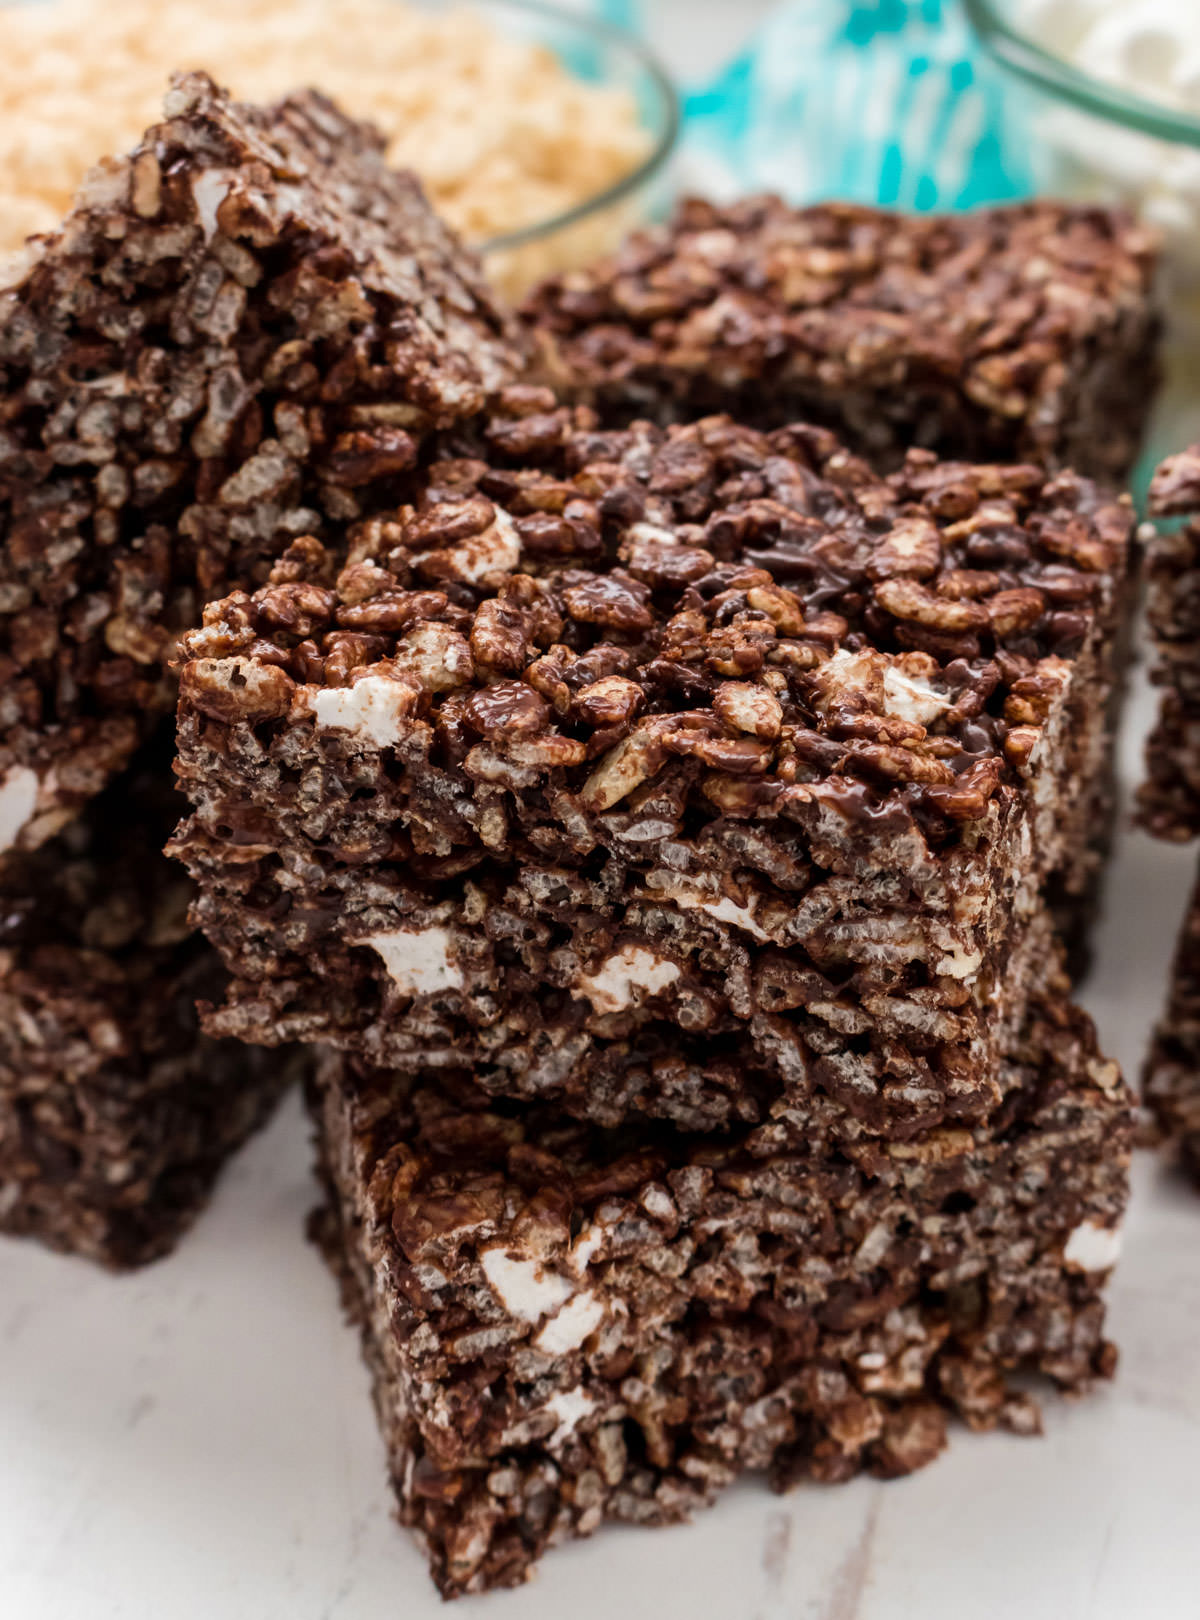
(1123, 135)
(614, 59)
(541, 133)
(1002, 29)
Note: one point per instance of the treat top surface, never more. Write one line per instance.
(852, 293)
(586, 607)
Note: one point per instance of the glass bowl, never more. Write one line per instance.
(600, 53)
(1093, 140)
(540, 171)
(1035, 65)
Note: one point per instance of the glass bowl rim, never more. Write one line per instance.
(599, 30)
(1023, 56)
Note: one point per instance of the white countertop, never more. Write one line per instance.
(196, 1442)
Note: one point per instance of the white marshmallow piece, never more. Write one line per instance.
(614, 985)
(209, 190)
(372, 710)
(524, 1287)
(1092, 1247)
(529, 1292)
(18, 801)
(960, 964)
(569, 1407)
(496, 551)
(418, 960)
(723, 910)
(910, 698)
(570, 1327)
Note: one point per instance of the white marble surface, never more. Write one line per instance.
(196, 1442)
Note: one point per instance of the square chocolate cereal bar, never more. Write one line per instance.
(1169, 800)
(689, 774)
(567, 1325)
(1023, 333)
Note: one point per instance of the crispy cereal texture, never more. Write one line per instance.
(568, 1326)
(1169, 799)
(116, 1113)
(1012, 334)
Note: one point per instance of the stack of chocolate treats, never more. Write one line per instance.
(662, 824)
(657, 825)
(1170, 799)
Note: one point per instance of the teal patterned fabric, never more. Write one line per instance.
(881, 101)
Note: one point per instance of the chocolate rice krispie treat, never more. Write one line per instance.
(116, 1113)
(691, 774)
(1169, 801)
(567, 1325)
(1171, 1083)
(243, 333)
(1008, 334)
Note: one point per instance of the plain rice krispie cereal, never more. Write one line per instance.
(500, 133)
